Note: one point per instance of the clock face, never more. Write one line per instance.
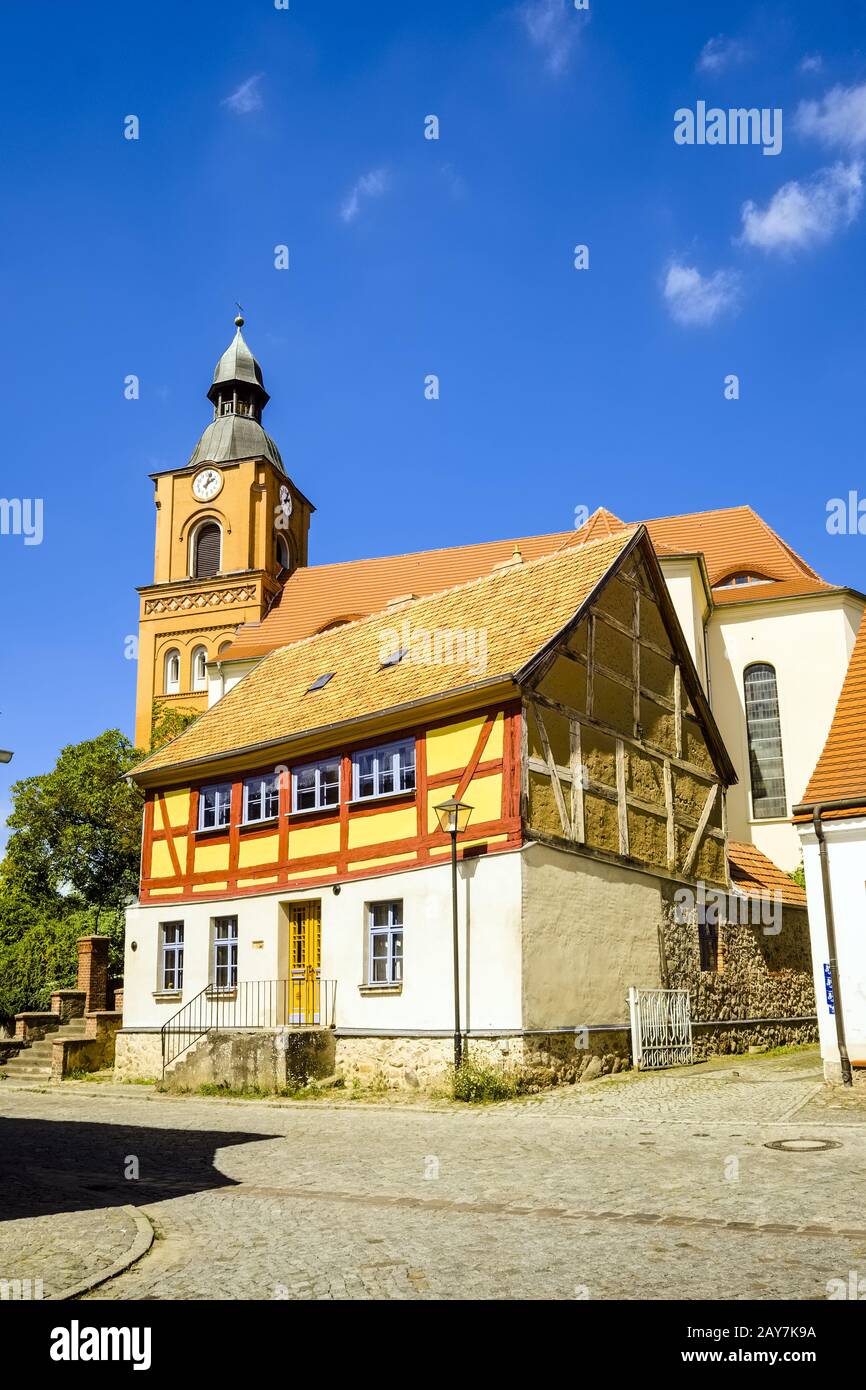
(207, 484)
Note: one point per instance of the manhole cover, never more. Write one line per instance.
(803, 1146)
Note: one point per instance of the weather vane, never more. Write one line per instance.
(240, 318)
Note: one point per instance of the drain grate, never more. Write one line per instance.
(803, 1146)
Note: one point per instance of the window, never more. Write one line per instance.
(283, 557)
(743, 577)
(382, 771)
(171, 974)
(171, 683)
(225, 952)
(395, 658)
(206, 551)
(320, 682)
(225, 407)
(316, 786)
(766, 767)
(386, 943)
(708, 946)
(214, 806)
(261, 797)
(199, 668)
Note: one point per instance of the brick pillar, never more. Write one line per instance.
(93, 971)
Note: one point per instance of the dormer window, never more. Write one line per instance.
(743, 577)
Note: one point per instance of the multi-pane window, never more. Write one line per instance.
(214, 806)
(316, 786)
(172, 955)
(381, 771)
(386, 943)
(261, 797)
(225, 952)
(765, 743)
(172, 672)
(198, 664)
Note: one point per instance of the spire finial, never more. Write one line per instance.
(240, 315)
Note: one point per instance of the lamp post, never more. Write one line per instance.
(5, 755)
(453, 820)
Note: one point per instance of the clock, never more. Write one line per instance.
(207, 484)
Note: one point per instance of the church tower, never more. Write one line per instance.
(230, 529)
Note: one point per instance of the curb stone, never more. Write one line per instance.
(144, 1234)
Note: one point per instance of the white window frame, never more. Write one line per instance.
(388, 753)
(224, 937)
(318, 768)
(390, 931)
(272, 793)
(171, 686)
(198, 682)
(171, 951)
(223, 792)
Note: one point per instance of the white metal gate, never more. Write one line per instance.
(661, 1027)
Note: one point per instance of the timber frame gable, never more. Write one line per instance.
(621, 755)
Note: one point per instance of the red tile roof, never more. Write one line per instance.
(840, 772)
(752, 872)
(731, 539)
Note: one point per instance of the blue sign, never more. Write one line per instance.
(828, 987)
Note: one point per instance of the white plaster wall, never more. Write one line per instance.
(846, 850)
(490, 960)
(808, 641)
(685, 586)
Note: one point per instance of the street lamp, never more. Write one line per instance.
(5, 755)
(453, 820)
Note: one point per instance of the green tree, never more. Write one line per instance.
(76, 831)
(167, 721)
(71, 865)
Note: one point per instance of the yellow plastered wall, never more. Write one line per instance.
(313, 839)
(210, 857)
(160, 861)
(264, 849)
(175, 809)
(387, 825)
(452, 745)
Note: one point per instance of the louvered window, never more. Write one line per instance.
(766, 767)
(207, 551)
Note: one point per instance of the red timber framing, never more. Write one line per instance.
(343, 863)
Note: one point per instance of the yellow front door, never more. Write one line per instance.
(305, 957)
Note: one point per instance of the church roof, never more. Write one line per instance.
(238, 364)
(840, 772)
(731, 539)
(234, 437)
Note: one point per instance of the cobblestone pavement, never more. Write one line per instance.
(649, 1187)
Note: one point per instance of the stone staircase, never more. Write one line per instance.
(33, 1062)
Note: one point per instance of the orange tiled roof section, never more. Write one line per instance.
(752, 872)
(840, 772)
(732, 539)
(520, 608)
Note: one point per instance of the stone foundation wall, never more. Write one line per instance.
(543, 1059)
(137, 1055)
(713, 1040)
(261, 1060)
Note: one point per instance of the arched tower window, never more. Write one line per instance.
(199, 668)
(171, 681)
(766, 766)
(206, 551)
(283, 555)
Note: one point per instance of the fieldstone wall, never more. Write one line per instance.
(761, 973)
(545, 1059)
(137, 1055)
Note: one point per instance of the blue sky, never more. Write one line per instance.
(558, 388)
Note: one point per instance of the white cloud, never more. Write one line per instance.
(812, 62)
(371, 185)
(247, 98)
(806, 214)
(720, 53)
(693, 298)
(553, 27)
(839, 118)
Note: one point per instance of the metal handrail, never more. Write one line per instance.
(289, 1003)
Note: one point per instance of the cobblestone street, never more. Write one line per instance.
(640, 1187)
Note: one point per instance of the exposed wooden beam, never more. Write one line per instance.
(635, 663)
(678, 711)
(621, 806)
(578, 821)
(669, 812)
(564, 817)
(702, 825)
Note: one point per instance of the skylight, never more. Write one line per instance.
(395, 658)
(320, 681)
